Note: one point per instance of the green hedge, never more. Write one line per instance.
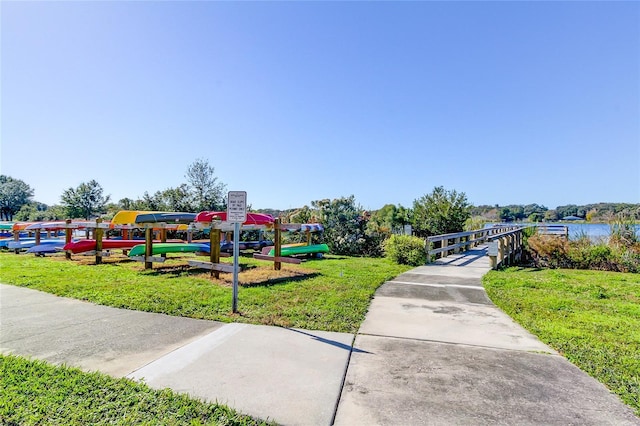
(406, 250)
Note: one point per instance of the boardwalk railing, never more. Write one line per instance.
(559, 230)
(504, 243)
(443, 245)
(505, 248)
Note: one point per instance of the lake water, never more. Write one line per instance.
(595, 231)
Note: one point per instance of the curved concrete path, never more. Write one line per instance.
(433, 350)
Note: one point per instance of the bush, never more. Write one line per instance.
(549, 251)
(406, 250)
(630, 261)
(598, 257)
(555, 252)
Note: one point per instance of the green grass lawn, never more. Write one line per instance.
(36, 393)
(590, 317)
(330, 294)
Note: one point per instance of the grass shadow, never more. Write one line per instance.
(249, 276)
(280, 280)
(91, 261)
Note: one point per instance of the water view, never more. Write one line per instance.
(595, 231)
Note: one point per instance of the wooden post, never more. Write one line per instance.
(148, 252)
(38, 233)
(16, 238)
(308, 238)
(456, 241)
(492, 252)
(214, 250)
(163, 238)
(67, 237)
(277, 249)
(98, 235)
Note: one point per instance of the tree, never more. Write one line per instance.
(551, 215)
(506, 215)
(14, 193)
(536, 217)
(568, 210)
(441, 212)
(177, 199)
(126, 204)
(389, 219)
(530, 209)
(207, 192)
(151, 202)
(85, 200)
(303, 215)
(35, 212)
(344, 225)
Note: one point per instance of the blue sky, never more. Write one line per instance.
(508, 102)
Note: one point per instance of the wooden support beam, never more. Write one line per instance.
(277, 258)
(277, 248)
(214, 267)
(163, 238)
(148, 252)
(98, 233)
(214, 250)
(68, 232)
(148, 260)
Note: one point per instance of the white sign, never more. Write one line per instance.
(237, 206)
(492, 248)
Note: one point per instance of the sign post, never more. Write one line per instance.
(236, 213)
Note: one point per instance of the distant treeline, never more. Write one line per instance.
(600, 212)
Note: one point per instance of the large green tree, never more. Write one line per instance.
(84, 201)
(14, 193)
(177, 199)
(440, 212)
(208, 193)
(389, 218)
(35, 211)
(344, 225)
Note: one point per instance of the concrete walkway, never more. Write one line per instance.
(286, 375)
(432, 350)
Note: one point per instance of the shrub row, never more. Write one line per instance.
(555, 252)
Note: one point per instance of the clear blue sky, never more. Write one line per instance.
(508, 102)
